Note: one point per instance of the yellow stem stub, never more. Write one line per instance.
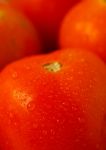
(53, 67)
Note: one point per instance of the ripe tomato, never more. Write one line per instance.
(54, 102)
(18, 37)
(46, 15)
(85, 27)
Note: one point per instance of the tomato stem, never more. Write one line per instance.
(53, 67)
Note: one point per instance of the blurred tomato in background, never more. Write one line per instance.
(18, 37)
(46, 15)
(85, 27)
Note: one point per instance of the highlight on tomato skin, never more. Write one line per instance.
(18, 36)
(54, 102)
(84, 27)
(46, 15)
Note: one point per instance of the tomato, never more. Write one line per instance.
(46, 15)
(54, 102)
(85, 27)
(18, 37)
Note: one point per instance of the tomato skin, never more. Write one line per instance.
(54, 101)
(18, 37)
(46, 15)
(84, 27)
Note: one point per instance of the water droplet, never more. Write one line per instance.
(44, 132)
(52, 132)
(57, 120)
(31, 106)
(35, 125)
(15, 123)
(98, 146)
(14, 75)
(7, 142)
(27, 67)
(77, 141)
(11, 115)
(81, 120)
(82, 60)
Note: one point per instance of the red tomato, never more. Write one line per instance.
(46, 15)
(85, 27)
(54, 102)
(18, 37)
